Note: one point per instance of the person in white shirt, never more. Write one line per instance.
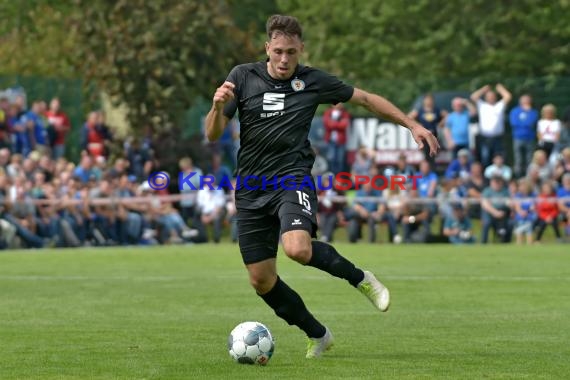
(499, 168)
(548, 130)
(211, 204)
(491, 120)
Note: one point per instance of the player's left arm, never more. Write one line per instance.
(385, 109)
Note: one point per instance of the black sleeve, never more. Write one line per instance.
(332, 90)
(234, 77)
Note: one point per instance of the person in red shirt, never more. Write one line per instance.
(59, 125)
(547, 211)
(336, 121)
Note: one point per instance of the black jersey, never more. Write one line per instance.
(275, 118)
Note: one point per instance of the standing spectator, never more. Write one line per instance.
(430, 117)
(498, 167)
(563, 195)
(457, 226)
(137, 156)
(95, 135)
(495, 210)
(336, 121)
(403, 168)
(491, 120)
(58, 128)
(457, 125)
(549, 128)
(525, 213)
(547, 211)
(523, 119)
(362, 162)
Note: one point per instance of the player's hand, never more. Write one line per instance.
(423, 136)
(224, 94)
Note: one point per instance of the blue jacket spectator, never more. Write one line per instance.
(427, 183)
(460, 167)
(458, 227)
(523, 119)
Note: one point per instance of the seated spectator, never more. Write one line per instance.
(231, 211)
(474, 187)
(495, 210)
(415, 219)
(21, 214)
(457, 125)
(369, 212)
(540, 167)
(320, 166)
(211, 206)
(525, 213)
(403, 168)
(498, 167)
(459, 167)
(85, 169)
(458, 227)
(448, 196)
(362, 162)
(188, 203)
(330, 213)
(427, 186)
(563, 195)
(220, 171)
(129, 213)
(562, 165)
(548, 130)
(547, 211)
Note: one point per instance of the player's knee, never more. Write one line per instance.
(298, 252)
(262, 282)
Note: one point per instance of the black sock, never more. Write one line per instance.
(288, 305)
(325, 257)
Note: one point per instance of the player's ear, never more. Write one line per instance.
(302, 46)
(267, 48)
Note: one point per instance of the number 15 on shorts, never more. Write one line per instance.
(304, 199)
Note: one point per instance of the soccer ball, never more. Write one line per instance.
(251, 343)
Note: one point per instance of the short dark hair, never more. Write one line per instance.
(287, 25)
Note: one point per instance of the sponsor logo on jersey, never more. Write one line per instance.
(273, 101)
(296, 222)
(297, 84)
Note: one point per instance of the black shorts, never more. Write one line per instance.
(259, 230)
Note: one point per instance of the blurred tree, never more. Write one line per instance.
(34, 39)
(155, 57)
(385, 42)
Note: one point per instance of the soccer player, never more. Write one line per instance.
(277, 100)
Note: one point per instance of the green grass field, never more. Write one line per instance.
(165, 313)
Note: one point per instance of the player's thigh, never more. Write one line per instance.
(298, 225)
(258, 235)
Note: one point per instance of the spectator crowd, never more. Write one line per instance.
(48, 201)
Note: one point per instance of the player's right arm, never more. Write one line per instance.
(216, 121)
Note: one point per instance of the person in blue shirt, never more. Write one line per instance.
(458, 227)
(523, 119)
(36, 127)
(369, 212)
(525, 214)
(457, 125)
(460, 167)
(564, 202)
